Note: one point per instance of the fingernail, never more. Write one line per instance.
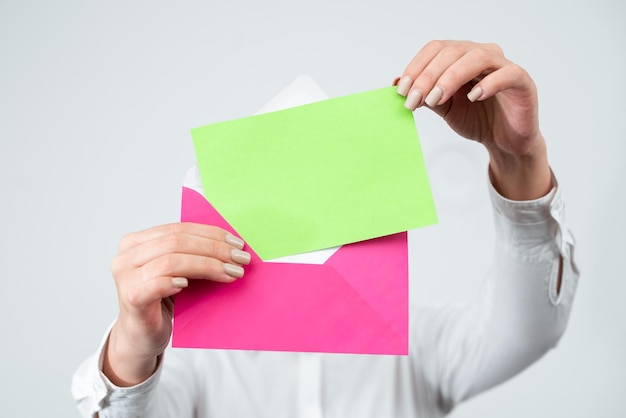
(413, 99)
(475, 94)
(240, 257)
(395, 81)
(180, 282)
(234, 241)
(233, 270)
(404, 85)
(434, 96)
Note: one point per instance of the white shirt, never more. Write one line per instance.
(455, 352)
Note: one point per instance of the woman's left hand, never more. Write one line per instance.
(484, 97)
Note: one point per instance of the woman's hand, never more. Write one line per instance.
(151, 266)
(484, 97)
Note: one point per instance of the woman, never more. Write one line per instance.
(455, 353)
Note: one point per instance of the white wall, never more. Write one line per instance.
(96, 103)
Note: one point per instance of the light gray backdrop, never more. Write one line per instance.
(96, 103)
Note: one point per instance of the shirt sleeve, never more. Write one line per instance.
(519, 313)
(168, 392)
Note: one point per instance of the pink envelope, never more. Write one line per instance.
(356, 302)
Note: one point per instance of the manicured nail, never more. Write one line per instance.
(434, 96)
(180, 282)
(234, 241)
(233, 270)
(475, 94)
(240, 257)
(413, 99)
(404, 85)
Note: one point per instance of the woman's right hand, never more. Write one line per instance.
(151, 266)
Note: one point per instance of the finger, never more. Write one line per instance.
(139, 237)
(426, 88)
(142, 294)
(417, 65)
(165, 276)
(424, 81)
(470, 66)
(208, 231)
(190, 267)
(181, 243)
(510, 76)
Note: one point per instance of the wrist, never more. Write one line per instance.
(124, 363)
(521, 177)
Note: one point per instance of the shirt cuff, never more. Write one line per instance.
(526, 211)
(526, 226)
(127, 399)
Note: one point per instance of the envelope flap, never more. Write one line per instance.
(196, 209)
(291, 307)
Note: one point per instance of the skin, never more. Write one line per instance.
(504, 117)
(153, 265)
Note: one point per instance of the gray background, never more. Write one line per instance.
(96, 103)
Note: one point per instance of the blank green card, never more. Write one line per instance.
(319, 175)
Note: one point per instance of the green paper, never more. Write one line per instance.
(317, 176)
